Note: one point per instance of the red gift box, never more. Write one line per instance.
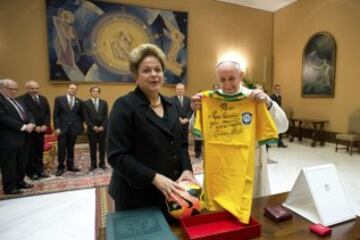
(219, 225)
(320, 230)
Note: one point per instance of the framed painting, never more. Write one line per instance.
(90, 41)
(318, 70)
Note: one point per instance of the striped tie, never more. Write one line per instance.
(71, 103)
(20, 110)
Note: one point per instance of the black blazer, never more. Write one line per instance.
(64, 117)
(141, 144)
(277, 99)
(40, 113)
(11, 123)
(93, 118)
(184, 111)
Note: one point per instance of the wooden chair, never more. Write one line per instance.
(289, 115)
(352, 138)
(50, 145)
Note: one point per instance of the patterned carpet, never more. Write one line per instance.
(69, 180)
(79, 180)
(104, 205)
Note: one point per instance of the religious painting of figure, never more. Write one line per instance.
(90, 41)
(318, 73)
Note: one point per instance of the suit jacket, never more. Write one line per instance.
(65, 117)
(184, 111)
(40, 112)
(11, 123)
(277, 99)
(141, 144)
(93, 117)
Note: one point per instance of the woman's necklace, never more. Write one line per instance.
(157, 104)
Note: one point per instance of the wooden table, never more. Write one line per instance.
(317, 133)
(294, 229)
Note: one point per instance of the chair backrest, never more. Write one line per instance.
(354, 123)
(289, 112)
(49, 130)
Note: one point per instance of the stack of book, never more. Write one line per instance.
(138, 224)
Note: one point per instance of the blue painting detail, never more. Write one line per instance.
(246, 118)
(89, 41)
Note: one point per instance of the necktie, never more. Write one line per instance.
(71, 103)
(96, 104)
(19, 109)
(36, 99)
(181, 101)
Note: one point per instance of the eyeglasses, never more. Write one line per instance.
(11, 89)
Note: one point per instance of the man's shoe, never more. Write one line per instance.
(14, 191)
(44, 175)
(59, 172)
(25, 185)
(282, 146)
(73, 169)
(102, 166)
(34, 177)
(92, 169)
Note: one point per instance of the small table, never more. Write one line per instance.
(318, 130)
(295, 229)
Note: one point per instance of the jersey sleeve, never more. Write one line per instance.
(197, 130)
(266, 131)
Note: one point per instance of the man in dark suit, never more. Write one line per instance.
(39, 108)
(276, 97)
(183, 106)
(15, 127)
(68, 122)
(96, 116)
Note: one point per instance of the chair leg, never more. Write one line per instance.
(336, 145)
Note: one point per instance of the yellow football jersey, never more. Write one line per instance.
(230, 127)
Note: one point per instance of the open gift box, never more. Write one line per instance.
(218, 226)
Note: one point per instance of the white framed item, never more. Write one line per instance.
(318, 196)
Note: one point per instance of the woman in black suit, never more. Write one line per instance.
(145, 145)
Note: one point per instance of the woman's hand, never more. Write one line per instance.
(196, 101)
(168, 187)
(187, 175)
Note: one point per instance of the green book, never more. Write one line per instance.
(138, 224)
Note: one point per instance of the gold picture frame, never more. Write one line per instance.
(318, 68)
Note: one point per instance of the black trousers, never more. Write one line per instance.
(185, 131)
(94, 139)
(66, 144)
(13, 164)
(280, 141)
(36, 153)
(197, 148)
